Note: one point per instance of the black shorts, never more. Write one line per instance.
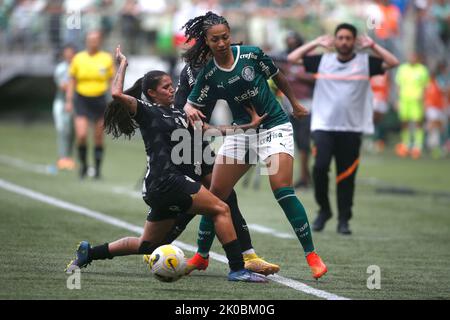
(91, 107)
(175, 199)
(302, 132)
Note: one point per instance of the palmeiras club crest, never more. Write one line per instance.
(248, 73)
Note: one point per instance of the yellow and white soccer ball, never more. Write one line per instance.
(167, 263)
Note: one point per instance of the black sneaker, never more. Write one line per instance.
(320, 221)
(343, 228)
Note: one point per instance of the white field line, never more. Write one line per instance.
(296, 285)
(27, 166)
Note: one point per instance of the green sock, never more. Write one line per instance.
(418, 138)
(404, 135)
(206, 234)
(296, 214)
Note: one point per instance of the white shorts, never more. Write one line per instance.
(251, 148)
(435, 114)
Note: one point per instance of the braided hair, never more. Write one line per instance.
(118, 120)
(195, 29)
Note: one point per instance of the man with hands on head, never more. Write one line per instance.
(341, 112)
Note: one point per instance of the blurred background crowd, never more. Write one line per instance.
(33, 33)
(154, 26)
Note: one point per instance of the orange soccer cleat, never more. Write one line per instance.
(318, 268)
(401, 150)
(197, 262)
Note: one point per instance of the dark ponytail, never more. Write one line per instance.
(118, 120)
(195, 29)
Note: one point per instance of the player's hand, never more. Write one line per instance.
(299, 111)
(325, 41)
(365, 42)
(120, 57)
(256, 118)
(194, 116)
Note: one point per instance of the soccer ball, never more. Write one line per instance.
(167, 263)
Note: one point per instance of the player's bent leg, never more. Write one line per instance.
(208, 204)
(206, 236)
(226, 173)
(152, 237)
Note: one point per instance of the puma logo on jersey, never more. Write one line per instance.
(247, 95)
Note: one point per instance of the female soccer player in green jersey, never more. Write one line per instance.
(238, 74)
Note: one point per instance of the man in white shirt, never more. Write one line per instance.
(341, 112)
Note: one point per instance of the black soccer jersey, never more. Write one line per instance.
(186, 82)
(157, 123)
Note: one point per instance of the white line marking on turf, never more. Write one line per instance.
(27, 166)
(296, 285)
(266, 230)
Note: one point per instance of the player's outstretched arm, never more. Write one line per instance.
(231, 129)
(117, 85)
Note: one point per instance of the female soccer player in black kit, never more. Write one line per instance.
(206, 232)
(167, 188)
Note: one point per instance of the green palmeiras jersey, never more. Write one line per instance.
(244, 84)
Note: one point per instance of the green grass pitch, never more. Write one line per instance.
(407, 236)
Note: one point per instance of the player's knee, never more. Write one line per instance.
(222, 209)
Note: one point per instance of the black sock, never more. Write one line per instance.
(98, 155)
(82, 155)
(100, 252)
(234, 255)
(181, 222)
(239, 223)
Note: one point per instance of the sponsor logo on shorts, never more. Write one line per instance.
(270, 137)
(175, 208)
